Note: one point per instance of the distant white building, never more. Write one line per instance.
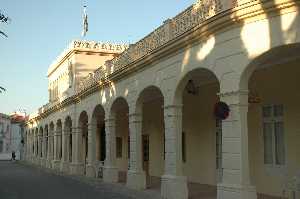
(11, 135)
(5, 136)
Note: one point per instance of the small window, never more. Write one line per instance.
(119, 147)
(273, 134)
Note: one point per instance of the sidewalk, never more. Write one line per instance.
(99, 184)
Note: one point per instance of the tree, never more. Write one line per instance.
(3, 19)
(2, 89)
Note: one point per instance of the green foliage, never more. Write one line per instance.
(3, 19)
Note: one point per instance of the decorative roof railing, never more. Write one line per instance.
(173, 28)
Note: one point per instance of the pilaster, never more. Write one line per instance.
(90, 167)
(56, 160)
(64, 166)
(49, 151)
(77, 165)
(173, 183)
(236, 174)
(110, 170)
(136, 177)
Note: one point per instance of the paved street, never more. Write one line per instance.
(18, 181)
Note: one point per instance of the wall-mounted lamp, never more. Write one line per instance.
(191, 88)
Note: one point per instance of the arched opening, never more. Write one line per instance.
(51, 137)
(119, 112)
(273, 121)
(83, 139)
(40, 152)
(201, 132)
(59, 139)
(150, 105)
(46, 139)
(98, 134)
(36, 142)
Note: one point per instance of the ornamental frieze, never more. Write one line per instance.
(91, 45)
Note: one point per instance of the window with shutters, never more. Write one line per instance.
(273, 134)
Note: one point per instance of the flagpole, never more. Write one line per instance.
(84, 21)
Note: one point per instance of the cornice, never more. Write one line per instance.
(245, 13)
(77, 46)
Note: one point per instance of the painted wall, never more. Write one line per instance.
(153, 126)
(122, 131)
(199, 128)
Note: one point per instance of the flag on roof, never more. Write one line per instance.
(85, 22)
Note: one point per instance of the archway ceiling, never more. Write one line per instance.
(279, 55)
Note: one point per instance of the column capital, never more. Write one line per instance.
(135, 117)
(239, 97)
(76, 130)
(109, 119)
(109, 122)
(233, 93)
(57, 133)
(173, 106)
(174, 110)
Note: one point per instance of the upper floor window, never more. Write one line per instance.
(273, 133)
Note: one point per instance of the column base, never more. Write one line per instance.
(49, 164)
(43, 162)
(110, 174)
(174, 187)
(232, 191)
(56, 164)
(64, 167)
(136, 180)
(90, 171)
(77, 168)
(38, 161)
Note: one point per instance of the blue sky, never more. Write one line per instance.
(41, 29)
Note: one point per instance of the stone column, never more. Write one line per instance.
(235, 158)
(29, 153)
(64, 167)
(36, 141)
(136, 177)
(77, 165)
(173, 183)
(44, 139)
(110, 172)
(49, 151)
(27, 147)
(40, 148)
(52, 148)
(56, 160)
(90, 167)
(32, 147)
